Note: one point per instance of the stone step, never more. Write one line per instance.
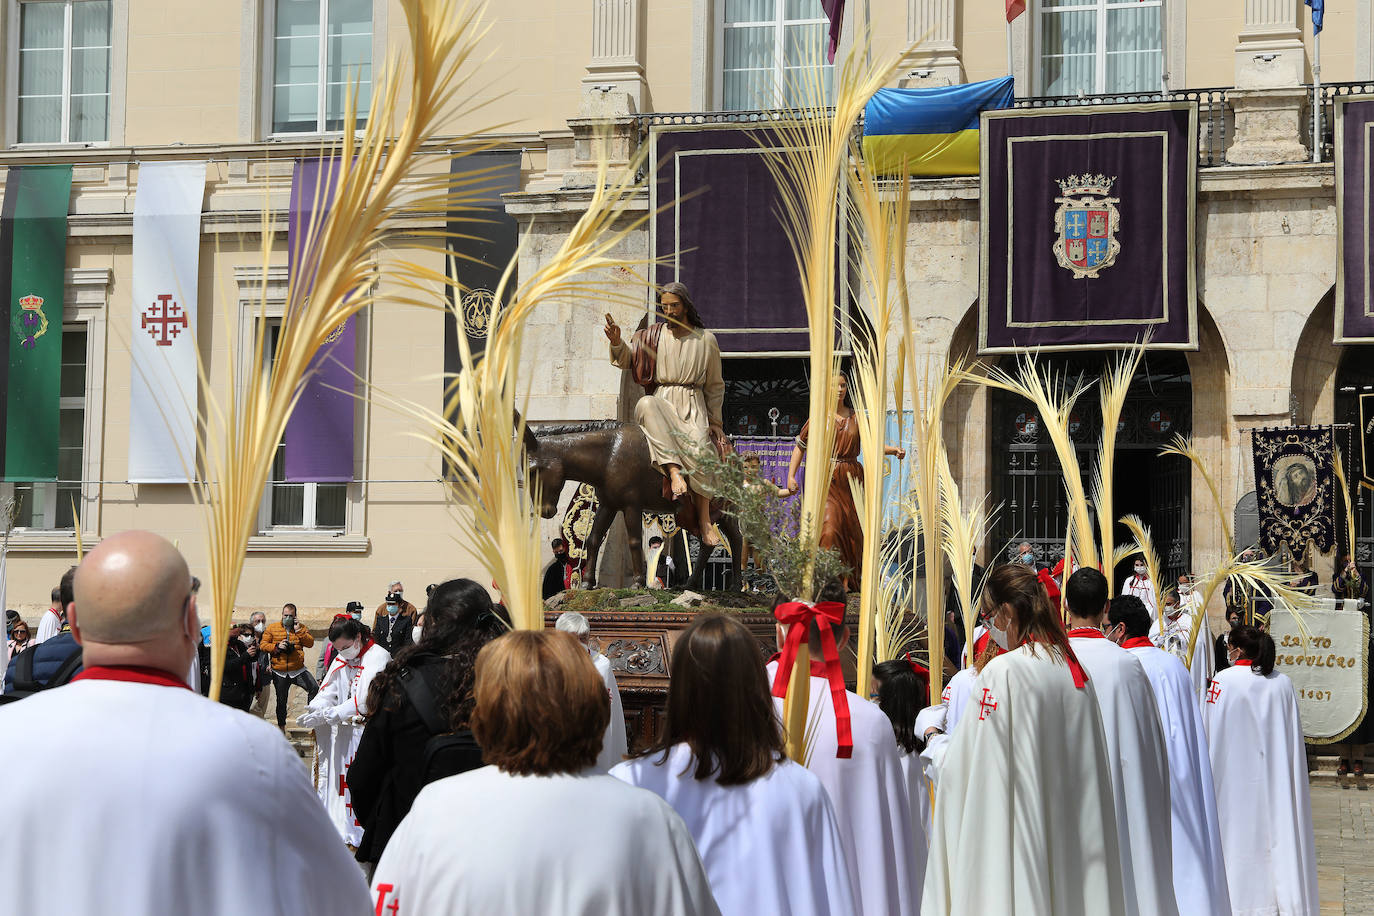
(1323, 770)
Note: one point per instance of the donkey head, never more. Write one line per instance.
(544, 470)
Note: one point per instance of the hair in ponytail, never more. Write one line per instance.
(1256, 645)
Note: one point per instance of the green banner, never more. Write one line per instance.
(33, 241)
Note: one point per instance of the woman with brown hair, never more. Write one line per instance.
(1024, 819)
(720, 763)
(535, 831)
(1259, 767)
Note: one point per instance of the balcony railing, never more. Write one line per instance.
(1215, 121)
(1326, 126)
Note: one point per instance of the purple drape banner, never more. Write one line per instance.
(1087, 227)
(1354, 203)
(774, 453)
(319, 435)
(726, 241)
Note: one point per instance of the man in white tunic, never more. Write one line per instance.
(539, 830)
(678, 363)
(338, 713)
(614, 746)
(868, 790)
(1140, 585)
(1171, 632)
(50, 624)
(1135, 748)
(1199, 870)
(162, 790)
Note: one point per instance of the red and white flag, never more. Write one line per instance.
(1015, 8)
(162, 343)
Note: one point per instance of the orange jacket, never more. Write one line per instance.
(299, 639)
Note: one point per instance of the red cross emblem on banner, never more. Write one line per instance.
(164, 320)
(343, 784)
(986, 705)
(387, 892)
(1213, 692)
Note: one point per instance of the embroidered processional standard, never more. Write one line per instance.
(1295, 486)
(1087, 228)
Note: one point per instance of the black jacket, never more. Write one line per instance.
(394, 633)
(386, 772)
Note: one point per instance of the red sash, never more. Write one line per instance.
(1243, 663)
(133, 674)
(1086, 633)
(1138, 642)
(798, 617)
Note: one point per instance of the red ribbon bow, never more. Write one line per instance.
(798, 617)
(922, 672)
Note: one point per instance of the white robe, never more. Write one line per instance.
(1144, 589)
(918, 789)
(1024, 822)
(1259, 767)
(1139, 761)
(48, 627)
(868, 790)
(613, 744)
(1172, 637)
(573, 845)
(1199, 870)
(161, 793)
(956, 697)
(337, 714)
(782, 824)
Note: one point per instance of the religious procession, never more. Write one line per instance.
(847, 458)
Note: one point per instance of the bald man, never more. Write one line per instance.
(162, 790)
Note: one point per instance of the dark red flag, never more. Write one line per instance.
(834, 10)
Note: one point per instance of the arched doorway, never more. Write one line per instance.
(1025, 472)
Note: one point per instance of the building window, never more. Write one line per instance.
(55, 505)
(64, 71)
(1089, 47)
(768, 47)
(298, 506)
(320, 48)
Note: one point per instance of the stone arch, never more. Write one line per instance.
(1316, 359)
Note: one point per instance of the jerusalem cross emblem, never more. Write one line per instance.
(164, 320)
(1085, 225)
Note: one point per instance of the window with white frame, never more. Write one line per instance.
(298, 506)
(64, 71)
(320, 49)
(54, 505)
(1089, 47)
(769, 52)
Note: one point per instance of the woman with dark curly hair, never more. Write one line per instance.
(388, 769)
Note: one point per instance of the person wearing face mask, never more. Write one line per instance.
(283, 642)
(1174, 629)
(337, 714)
(239, 683)
(394, 621)
(558, 574)
(1136, 750)
(1025, 788)
(1199, 868)
(160, 788)
(1138, 583)
(1025, 555)
(1259, 765)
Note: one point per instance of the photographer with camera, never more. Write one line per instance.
(284, 641)
(395, 620)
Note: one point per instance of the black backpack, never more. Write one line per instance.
(447, 753)
(26, 685)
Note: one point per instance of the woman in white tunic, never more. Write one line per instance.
(539, 830)
(764, 825)
(1260, 770)
(337, 714)
(683, 394)
(901, 688)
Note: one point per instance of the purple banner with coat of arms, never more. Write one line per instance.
(1087, 228)
(1354, 207)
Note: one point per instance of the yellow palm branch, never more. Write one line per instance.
(1115, 385)
(1184, 448)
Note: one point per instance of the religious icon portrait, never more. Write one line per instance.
(1295, 481)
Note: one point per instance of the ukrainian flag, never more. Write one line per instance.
(931, 132)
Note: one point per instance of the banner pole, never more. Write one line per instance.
(1316, 97)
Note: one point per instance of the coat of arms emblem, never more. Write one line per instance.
(1085, 225)
(29, 322)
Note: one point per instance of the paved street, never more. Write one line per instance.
(1344, 821)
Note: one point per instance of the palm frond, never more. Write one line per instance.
(1184, 448)
(1114, 387)
(1262, 578)
(1345, 501)
(1144, 541)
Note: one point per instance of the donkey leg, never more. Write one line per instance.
(735, 539)
(600, 524)
(634, 538)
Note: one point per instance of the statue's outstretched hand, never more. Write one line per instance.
(612, 330)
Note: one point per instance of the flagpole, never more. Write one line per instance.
(1316, 96)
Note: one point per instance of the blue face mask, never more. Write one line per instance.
(1028, 559)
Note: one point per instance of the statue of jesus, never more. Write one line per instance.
(683, 394)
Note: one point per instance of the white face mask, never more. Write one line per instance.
(999, 636)
(1140, 570)
(349, 654)
(259, 627)
(1185, 589)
